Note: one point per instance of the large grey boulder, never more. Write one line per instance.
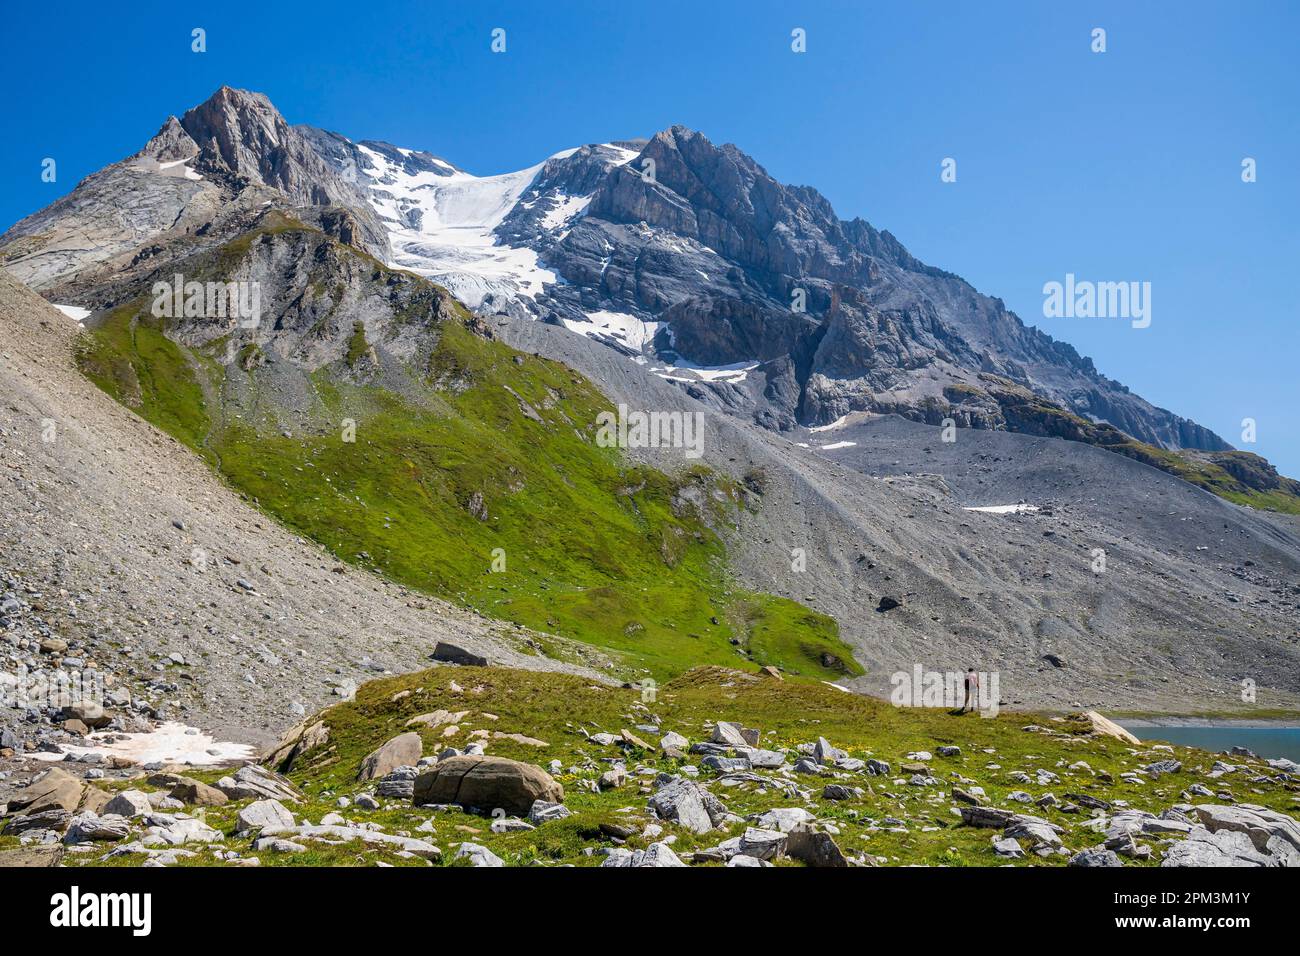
(544, 812)
(477, 855)
(56, 790)
(399, 784)
(1205, 848)
(826, 754)
(733, 735)
(688, 804)
(1258, 823)
(87, 827)
(403, 750)
(177, 831)
(487, 784)
(129, 803)
(985, 817)
(762, 844)
(267, 817)
(452, 654)
(56, 819)
(814, 848)
(1034, 829)
(783, 819)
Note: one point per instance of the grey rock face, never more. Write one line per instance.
(1259, 824)
(233, 152)
(1204, 848)
(253, 781)
(716, 248)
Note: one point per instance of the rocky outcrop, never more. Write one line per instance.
(243, 139)
(742, 268)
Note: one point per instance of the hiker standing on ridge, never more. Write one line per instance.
(972, 690)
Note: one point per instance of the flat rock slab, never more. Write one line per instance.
(31, 856)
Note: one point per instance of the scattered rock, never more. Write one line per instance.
(477, 855)
(688, 804)
(267, 817)
(129, 804)
(655, 855)
(1096, 856)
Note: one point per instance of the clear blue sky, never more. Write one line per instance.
(1115, 166)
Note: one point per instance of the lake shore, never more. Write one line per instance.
(1175, 720)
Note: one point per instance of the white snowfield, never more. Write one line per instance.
(1019, 509)
(171, 742)
(843, 419)
(451, 241)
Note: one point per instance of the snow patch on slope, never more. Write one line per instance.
(621, 327)
(170, 742)
(74, 312)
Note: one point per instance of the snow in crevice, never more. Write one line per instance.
(682, 370)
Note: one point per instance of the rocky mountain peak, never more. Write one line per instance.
(243, 139)
(170, 143)
(241, 133)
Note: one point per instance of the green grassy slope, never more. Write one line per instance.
(485, 487)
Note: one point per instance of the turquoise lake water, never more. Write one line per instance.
(1265, 741)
